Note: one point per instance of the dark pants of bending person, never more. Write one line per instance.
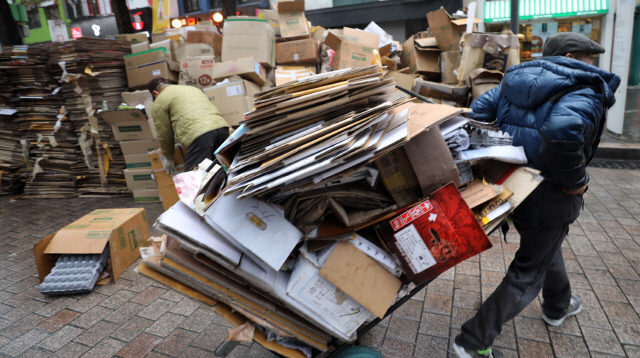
(538, 264)
(204, 146)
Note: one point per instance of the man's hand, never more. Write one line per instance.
(575, 192)
(169, 165)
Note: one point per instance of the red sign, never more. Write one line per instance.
(138, 25)
(76, 32)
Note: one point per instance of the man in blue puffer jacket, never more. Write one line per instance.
(555, 108)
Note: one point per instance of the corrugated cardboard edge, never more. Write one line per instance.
(148, 271)
(44, 262)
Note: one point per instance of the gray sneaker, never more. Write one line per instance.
(481, 353)
(575, 307)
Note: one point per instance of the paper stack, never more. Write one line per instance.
(10, 149)
(41, 115)
(93, 77)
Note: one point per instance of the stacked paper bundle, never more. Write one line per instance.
(10, 149)
(49, 135)
(93, 77)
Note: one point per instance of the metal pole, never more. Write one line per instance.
(514, 16)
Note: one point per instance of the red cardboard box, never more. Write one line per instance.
(434, 235)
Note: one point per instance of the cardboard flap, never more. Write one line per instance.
(45, 263)
(290, 6)
(122, 115)
(426, 115)
(426, 42)
(333, 41)
(361, 278)
(463, 22)
(361, 37)
(482, 75)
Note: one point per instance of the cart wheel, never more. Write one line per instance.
(360, 352)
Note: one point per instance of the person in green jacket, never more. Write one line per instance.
(185, 112)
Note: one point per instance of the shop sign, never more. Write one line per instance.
(500, 11)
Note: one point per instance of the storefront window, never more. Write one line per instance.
(191, 6)
(33, 14)
(536, 32)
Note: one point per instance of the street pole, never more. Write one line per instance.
(514, 17)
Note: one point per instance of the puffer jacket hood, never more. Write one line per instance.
(530, 84)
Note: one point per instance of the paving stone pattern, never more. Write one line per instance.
(139, 317)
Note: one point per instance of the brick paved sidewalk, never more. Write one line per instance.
(139, 317)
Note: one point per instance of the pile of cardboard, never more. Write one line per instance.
(91, 71)
(49, 147)
(453, 63)
(10, 148)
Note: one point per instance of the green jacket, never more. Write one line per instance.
(184, 112)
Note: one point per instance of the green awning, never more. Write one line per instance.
(500, 11)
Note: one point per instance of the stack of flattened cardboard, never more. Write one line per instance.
(10, 148)
(49, 138)
(93, 76)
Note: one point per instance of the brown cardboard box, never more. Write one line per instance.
(447, 31)
(137, 160)
(482, 80)
(123, 229)
(233, 99)
(139, 77)
(494, 52)
(139, 179)
(139, 37)
(284, 76)
(139, 146)
(247, 68)
(139, 47)
(297, 52)
(248, 36)
(146, 195)
(196, 71)
(194, 50)
(272, 17)
(442, 91)
(143, 58)
(354, 49)
(200, 37)
(449, 61)
(421, 56)
(293, 23)
(169, 46)
(129, 124)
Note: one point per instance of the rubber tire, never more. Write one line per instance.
(360, 352)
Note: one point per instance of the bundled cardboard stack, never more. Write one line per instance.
(93, 76)
(10, 148)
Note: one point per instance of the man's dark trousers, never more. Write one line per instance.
(537, 264)
(204, 146)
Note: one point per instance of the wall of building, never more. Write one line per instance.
(318, 4)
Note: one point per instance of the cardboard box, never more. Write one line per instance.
(143, 58)
(293, 23)
(233, 99)
(123, 229)
(490, 51)
(426, 157)
(139, 47)
(139, 179)
(137, 161)
(296, 68)
(196, 71)
(354, 49)
(211, 38)
(156, 157)
(422, 57)
(482, 80)
(139, 37)
(193, 50)
(129, 124)
(447, 32)
(247, 68)
(139, 146)
(297, 52)
(169, 46)
(449, 62)
(146, 196)
(272, 17)
(139, 77)
(283, 77)
(137, 97)
(434, 235)
(247, 36)
(442, 91)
